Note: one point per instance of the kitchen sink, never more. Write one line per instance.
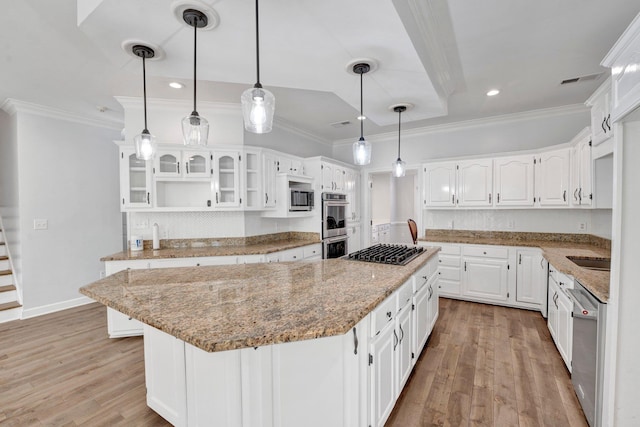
(591, 263)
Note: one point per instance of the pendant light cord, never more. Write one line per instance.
(361, 109)
(399, 124)
(144, 88)
(195, 54)
(257, 48)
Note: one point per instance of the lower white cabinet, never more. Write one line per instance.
(531, 278)
(485, 272)
(560, 321)
(404, 330)
(383, 374)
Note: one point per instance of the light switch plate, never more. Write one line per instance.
(40, 224)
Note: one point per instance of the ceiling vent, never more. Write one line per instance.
(590, 77)
(343, 123)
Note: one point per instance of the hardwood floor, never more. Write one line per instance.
(483, 366)
(486, 365)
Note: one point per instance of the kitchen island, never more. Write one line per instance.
(279, 344)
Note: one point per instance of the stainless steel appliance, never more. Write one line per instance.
(335, 247)
(589, 316)
(300, 200)
(387, 254)
(334, 215)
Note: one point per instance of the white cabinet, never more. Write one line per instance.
(531, 277)
(600, 103)
(552, 177)
(560, 321)
(355, 242)
(186, 164)
(433, 303)
(440, 185)
(449, 270)
(312, 251)
(514, 181)
(581, 165)
(352, 188)
(382, 374)
(333, 178)
(269, 173)
(421, 317)
(404, 330)
(290, 165)
(475, 183)
(252, 185)
(485, 278)
(135, 181)
(226, 178)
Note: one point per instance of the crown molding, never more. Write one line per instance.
(475, 123)
(13, 106)
(187, 104)
(290, 127)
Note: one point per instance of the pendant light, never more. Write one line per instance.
(195, 129)
(362, 147)
(399, 167)
(145, 143)
(258, 104)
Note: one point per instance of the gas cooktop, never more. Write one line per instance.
(387, 254)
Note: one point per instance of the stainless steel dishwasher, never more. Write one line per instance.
(589, 316)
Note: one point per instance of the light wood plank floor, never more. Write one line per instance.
(483, 366)
(486, 365)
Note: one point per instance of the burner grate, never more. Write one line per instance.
(387, 254)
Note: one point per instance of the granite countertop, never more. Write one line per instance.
(219, 308)
(188, 248)
(555, 248)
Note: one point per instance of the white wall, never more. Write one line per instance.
(288, 141)
(381, 197)
(68, 175)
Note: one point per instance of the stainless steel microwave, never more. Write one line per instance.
(300, 200)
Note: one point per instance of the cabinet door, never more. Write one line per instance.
(227, 178)
(529, 277)
(405, 355)
(475, 183)
(353, 232)
(585, 192)
(383, 375)
(421, 318)
(269, 172)
(296, 167)
(575, 175)
(552, 319)
(252, 180)
(565, 328)
(135, 181)
(485, 278)
(168, 164)
(434, 303)
(338, 178)
(553, 180)
(328, 183)
(197, 164)
(601, 127)
(440, 185)
(514, 181)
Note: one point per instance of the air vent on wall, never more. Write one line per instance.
(582, 78)
(341, 124)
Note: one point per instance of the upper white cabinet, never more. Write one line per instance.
(290, 165)
(475, 183)
(600, 103)
(623, 59)
(182, 164)
(135, 181)
(252, 180)
(440, 185)
(333, 177)
(352, 188)
(226, 178)
(552, 178)
(581, 170)
(269, 173)
(514, 181)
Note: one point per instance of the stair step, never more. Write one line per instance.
(5, 272)
(9, 305)
(7, 288)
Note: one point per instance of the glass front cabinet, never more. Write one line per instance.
(135, 181)
(226, 178)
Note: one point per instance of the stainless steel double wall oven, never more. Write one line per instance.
(334, 225)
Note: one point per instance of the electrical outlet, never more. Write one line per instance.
(141, 225)
(511, 224)
(40, 224)
(582, 226)
(450, 224)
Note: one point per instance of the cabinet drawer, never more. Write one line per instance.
(447, 249)
(383, 314)
(486, 251)
(292, 255)
(448, 287)
(449, 273)
(449, 260)
(405, 293)
(312, 250)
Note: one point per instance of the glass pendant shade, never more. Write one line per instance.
(398, 168)
(195, 130)
(146, 145)
(258, 106)
(362, 152)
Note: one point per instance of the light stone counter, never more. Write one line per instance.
(218, 308)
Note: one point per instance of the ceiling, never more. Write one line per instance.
(440, 55)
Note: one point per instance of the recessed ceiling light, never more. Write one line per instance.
(362, 117)
(493, 92)
(176, 85)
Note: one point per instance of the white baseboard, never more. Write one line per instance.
(51, 308)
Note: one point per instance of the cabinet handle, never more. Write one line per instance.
(430, 293)
(608, 121)
(465, 266)
(178, 165)
(574, 195)
(604, 120)
(216, 197)
(389, 315)
(453, 199)
(580, 195)
(266, 196)
(490, 197)
(355, 341)
(148, 198)
(395, 340)
(541, 265)
(520, 259)
(564, 195)
(186, 167)
(401, 333)
(498, 197)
